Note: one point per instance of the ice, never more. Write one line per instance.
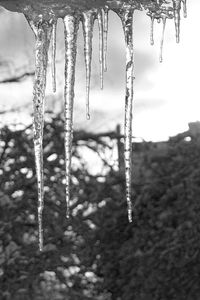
(44, 27)
(88, 19)
(42, 32)
(162, 38)
(177, 8)
(54, 56)
(101, 47)
(152, 29)
(71, 24)
(184, 8)
(105, 38)
(126, 16)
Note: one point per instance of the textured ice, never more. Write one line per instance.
(42, 16)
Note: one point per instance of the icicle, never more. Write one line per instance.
(184, 8)
(177, 8)
(105, 40)
(127, 22)
(101, 47)
(42, 32)
(152, 30)
(162, 38)
(54, 56)
(88, 23)
(71, 28)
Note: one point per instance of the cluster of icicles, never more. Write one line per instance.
(45, 33)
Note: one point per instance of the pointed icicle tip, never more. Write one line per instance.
(88, 116)
(71, 24)
(40, 233)
(67, 215)
(130, 217)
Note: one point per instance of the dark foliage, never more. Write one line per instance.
(158, 256)
(58, 272)
(96, 254)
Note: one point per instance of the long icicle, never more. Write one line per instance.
(152, 30)
(71, 24)
(43, 34)
(164, 18)
(53, 59)
(88, 24)
(177, 8)
(101, 48)
(105, 38)
(127, 22)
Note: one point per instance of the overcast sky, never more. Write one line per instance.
(167, 95)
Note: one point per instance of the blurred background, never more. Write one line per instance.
(97, 254)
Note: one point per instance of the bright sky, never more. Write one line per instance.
(166, 95)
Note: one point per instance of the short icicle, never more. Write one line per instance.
(53, 59)
(177, 8)
(105, 38)
(101, 47)
(127, 22)
(71, 24)
(42, 32)
(184, 8)
(152, 29)
(164, 18)
(88, 24)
